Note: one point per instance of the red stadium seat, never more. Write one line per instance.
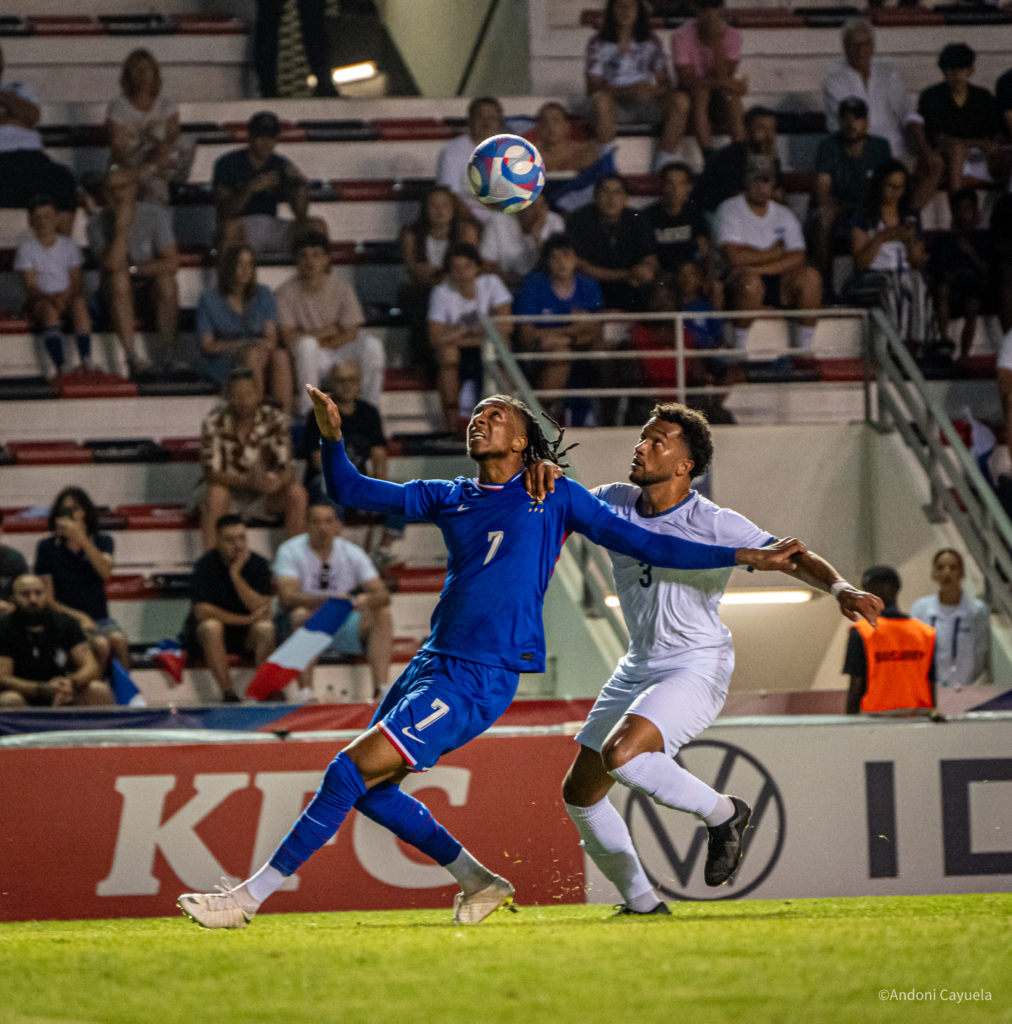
(904, 17)
(183, 449)
(209, 24)
(95, 384)
(761, 17)
(67, 25)
(159, 517)
(49, 453)
(423, 580)
(396, 129)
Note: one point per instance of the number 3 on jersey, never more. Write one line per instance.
(494, 540)
(647, 576)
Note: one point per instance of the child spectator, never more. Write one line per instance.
(50, 264)
(705, 332)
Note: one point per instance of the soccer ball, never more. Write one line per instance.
(506, 173)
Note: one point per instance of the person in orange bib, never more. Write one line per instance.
(891, 666)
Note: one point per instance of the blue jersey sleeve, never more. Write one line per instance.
(594, 519)
(347, 486)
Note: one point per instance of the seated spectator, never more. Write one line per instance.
(318, 565)
(230, 610)
(45, 660)
(321, 323)
(484, 119)
(511, 242)
(559, 150)
(246, 458)
(725, 170)
(691, 297)
(144, 133)
(248, 186)
(705, 51)
(74, 564)
(12, 565)
(764, 247)
(960, 271)
(891, 665)
(614, 246)
(455, 331)
(441, 222)
(136, 249)
(892, 114)
(680, 229)
(844, 163)
(50, 265)
(557, 288)
(628, 80)
(237, 327)
(962, 626)
(962, 121)
(25, 170)
(889, 254)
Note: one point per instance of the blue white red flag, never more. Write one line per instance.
(572, 193)
(124, 688)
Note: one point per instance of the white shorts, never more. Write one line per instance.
(681, 701)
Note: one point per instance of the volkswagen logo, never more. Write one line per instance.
(672, 844)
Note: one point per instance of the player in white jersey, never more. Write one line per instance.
(673, 681)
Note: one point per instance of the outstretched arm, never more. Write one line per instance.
(814, 570)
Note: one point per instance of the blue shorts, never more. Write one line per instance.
(439, 703)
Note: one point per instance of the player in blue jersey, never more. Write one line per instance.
(487, 628)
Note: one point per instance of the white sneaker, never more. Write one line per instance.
(475, 908)
(220, 909)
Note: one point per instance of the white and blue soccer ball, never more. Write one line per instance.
(506, 173)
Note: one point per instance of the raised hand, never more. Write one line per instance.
(779, 557)
(539, 479)
(328, 416)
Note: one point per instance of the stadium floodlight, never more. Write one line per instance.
(354, 72)
(766, 597)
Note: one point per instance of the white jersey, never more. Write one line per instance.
(673, 612)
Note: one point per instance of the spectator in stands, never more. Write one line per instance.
(724, 174)
(136, 249)
(321, 323)
(25, 170)
(237, 327)
(50, 265)
(1003, 97)
(484, 119)
(248, 186)
(12, 565)
(312, 19)
(889, 254)
(962, 627)
(455, 331)
(628, 80)
(559, 150)
(844, 163)
(891, 665)
(318, 565)
(230, 610)
(681, 231)
(144, 133)
(511, 242)
(45, 660)
(614, 246)
(891, 111)
(441, 222)
(74, 564)
(764, 247)
(962, 121)
(246, 457)
(557, 288)
(1001, 257)
(705, 51)
(960, 271)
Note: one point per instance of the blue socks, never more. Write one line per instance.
(410, 820)
(52, 338)
(84, 346)
(342, 786)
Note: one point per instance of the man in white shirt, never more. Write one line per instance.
(484, 119)
(315, 566)
(673, 681)
(511, 242)
(763, 244)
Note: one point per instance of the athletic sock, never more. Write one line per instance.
(722, 812)
(740, 338)
(666, 782)
(265, 882)
(410, 820)
(471, 875)
(341, 787)
(52, 338)
(84, 347)
(605, 837)
(806, 336)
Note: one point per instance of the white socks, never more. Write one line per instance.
(805, 337)
(606, 839)
(471, 875)
(666, 782)
(263, 884)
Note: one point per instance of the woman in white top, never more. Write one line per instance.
(455, 331)
(962, 634)
(144, 131)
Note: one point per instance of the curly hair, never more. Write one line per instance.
(80, 497)
(538, 445)
(695, 433)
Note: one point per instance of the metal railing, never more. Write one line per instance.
(958, 488)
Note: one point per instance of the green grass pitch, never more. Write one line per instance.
(759, 961)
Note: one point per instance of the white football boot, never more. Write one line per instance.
(221, 909)
(475, 908)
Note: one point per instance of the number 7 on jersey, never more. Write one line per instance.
(494, 540)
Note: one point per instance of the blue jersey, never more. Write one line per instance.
(503, 547)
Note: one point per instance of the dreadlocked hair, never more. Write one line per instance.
(538, 446)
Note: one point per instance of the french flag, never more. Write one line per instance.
(296, 654)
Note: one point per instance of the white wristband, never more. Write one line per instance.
(839, 586)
